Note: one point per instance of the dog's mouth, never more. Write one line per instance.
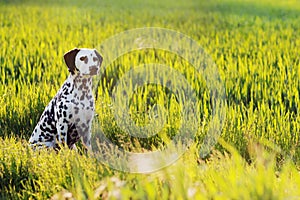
(93, 70)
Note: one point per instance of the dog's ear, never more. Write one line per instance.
(99, 56)
(70, 60)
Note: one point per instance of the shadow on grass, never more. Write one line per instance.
(273, 10)
(20, 124)
(14, 177)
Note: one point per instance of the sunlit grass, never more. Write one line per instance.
(29, 174)
(255, 45)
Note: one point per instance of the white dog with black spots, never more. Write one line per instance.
(68, 117)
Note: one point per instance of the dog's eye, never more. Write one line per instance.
(95, 59)
(83, 58)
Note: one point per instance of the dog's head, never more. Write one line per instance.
(83, 61)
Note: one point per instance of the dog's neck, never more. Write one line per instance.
(83, 83)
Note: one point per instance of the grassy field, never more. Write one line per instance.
(255, 45)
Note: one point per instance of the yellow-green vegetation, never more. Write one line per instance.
(255, 45)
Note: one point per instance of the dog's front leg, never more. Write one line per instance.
(62, 130)
(61, 112)
(85, 133)
(86, 139)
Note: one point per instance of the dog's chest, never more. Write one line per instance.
(82, 101)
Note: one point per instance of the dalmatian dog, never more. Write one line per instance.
(68, 117)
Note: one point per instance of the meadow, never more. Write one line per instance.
(255, 46)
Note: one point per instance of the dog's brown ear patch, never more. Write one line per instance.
(70, 60)
(99, 56)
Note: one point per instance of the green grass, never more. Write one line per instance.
(255, 45)
(38, 175)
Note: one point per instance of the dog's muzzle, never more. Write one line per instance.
(94, 70)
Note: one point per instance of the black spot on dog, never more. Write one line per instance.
(82, 97)
(76, 110)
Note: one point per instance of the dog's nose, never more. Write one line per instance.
(93, 70)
